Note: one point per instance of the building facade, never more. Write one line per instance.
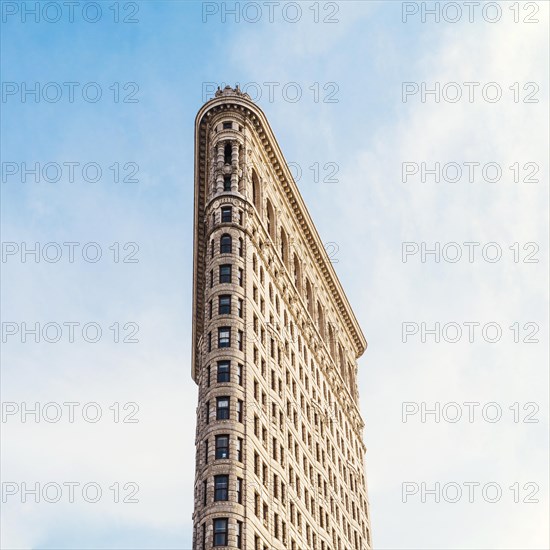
(279, 449)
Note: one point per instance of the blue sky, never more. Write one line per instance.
(170, 53)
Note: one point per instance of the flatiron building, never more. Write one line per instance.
(279, 448)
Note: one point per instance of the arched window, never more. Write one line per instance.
(284, 247)
(297, 274)
(225, 244)
(256, 191)
(271, 224)
(227, 153)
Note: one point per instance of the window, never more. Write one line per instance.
(240, 304)
(227, 152)
(207, 412)
(270, 219)
(224, 337)
(226, 244)
(239, 410)
(220, 532)
(227, 183)
(227, 214)
(211, 248)
(240, 449)
(209, 341)
(206, 451)
(222, 446)
(208, 376)
(222, 408)
(220, 487)
(240, 338)
(240, 375)
(210, 309)
(211, 278)
(239, 534)
(239, 490)
(204, 536)
(224, 304)
(241, 248)
(225, 273)
(227, 125)
(204, 492)
(224, 371)
(240, 277)
(256, 191)
(284, 247)
(241, 217)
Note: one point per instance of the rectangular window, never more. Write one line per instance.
(227, 182)
(220, 532)
(221, 484)
(241, 281)
(226, 244)
(224, 337)
(204, 536)
(240, 339)
(225, 273)
(207, 411)
(209, 341)
(240, 449)
(222, 408)
(206, 451)
(239, 490)
(239, 410)
(239, 534)
(240, 375)
(222, 446)
(240, 217)
(240, 308)
(227, 214)
(224, 304)
(204, 492)
(208, 376)
(224, 371)
(211, 278)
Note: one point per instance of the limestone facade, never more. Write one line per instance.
(279, 449)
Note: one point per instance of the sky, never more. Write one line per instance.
(366, 99)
